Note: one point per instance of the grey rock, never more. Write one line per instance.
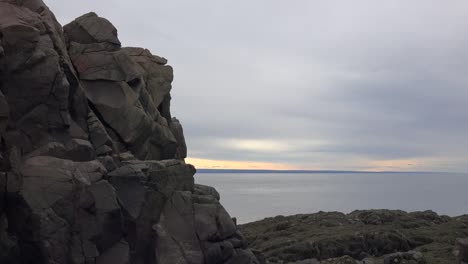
(104, 150)
(13, 179)
(46, 167)
(205, 199)
(127, 88)
(128, 183)
(177, 130)
(4, 113)
(76, 254)
(341, 260)
(108, 162)
(173, 178)
(89, 172)
(144, 56)
(410, 257)
(90, 28)
(126, 156)
(463, 249)
(118, 254)
(177, 241)
(55, 232)
(369, 261)
(143, 236)
(88, 230)
(80, 150)
(75, 149)
(213, 223)
(7, 244)
(36, 65)
(108, 215)
(306, 261)
(218, 252)
(242, 256)
(157, 76)
(206, 190)
(46, 180)
(98, 134)
(110, 66)
(131, 171)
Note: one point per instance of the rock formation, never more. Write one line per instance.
(92, 162)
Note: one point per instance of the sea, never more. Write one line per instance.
(254, 196)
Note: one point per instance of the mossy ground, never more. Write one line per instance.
(360, 234)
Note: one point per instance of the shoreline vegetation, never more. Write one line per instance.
(362, 236)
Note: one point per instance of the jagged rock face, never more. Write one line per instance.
(92, 162)
(127, 87)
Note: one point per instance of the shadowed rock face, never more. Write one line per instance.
(92, 162)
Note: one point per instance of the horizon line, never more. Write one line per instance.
(208, 170)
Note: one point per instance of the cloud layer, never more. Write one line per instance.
(309, 84)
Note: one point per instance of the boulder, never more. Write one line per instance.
(90, 28)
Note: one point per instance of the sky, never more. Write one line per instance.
(326, 84)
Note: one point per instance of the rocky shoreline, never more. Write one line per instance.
(371, 236)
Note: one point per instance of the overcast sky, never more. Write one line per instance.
(355, 85)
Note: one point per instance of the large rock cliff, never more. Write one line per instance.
(92, 162)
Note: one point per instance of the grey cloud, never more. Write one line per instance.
(372, 80)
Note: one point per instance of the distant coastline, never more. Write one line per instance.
(306, 171)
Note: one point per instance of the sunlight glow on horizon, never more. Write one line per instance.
(368, 166)
(230, 164)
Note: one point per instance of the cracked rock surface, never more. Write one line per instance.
(92, 162)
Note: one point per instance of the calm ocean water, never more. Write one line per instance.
(254, 196)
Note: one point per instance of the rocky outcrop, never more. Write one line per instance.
(92, 162)
(364, 237)
(128, 88)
